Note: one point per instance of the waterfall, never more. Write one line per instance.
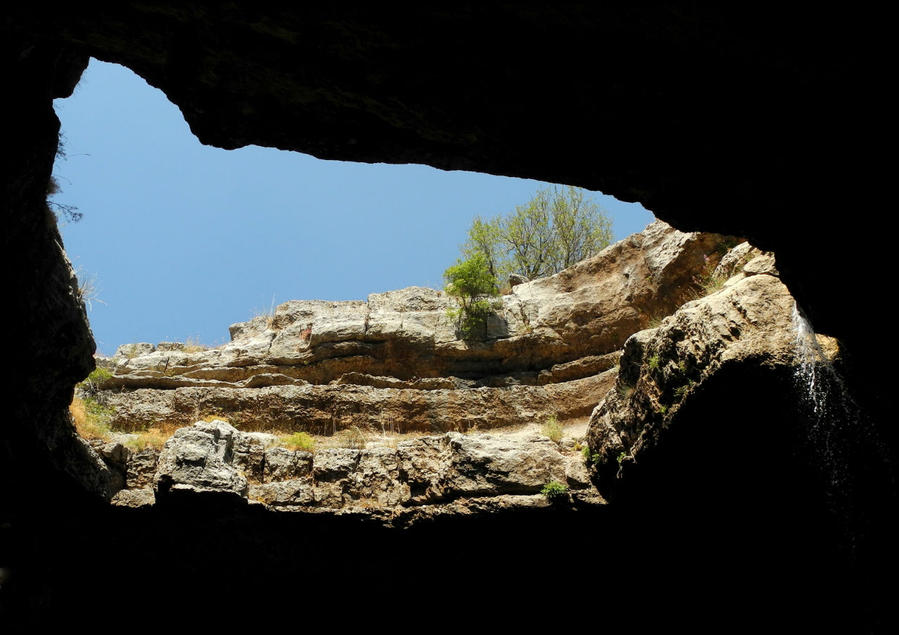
(811, 362)
(824, 399)
(847, 450)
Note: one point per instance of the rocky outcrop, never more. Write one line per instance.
(199, 459)
(586, 310)
(398, 363)
(749, 324)
(329, 408)
(410, 480)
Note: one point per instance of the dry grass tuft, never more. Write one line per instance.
(192, 345)
(552, 429)
(90, 418)
(353, 438)
(150, 438)
(154, 437)
(211, 418)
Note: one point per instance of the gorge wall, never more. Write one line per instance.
(394, 365)
(751, 123)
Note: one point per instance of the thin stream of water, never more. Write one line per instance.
(831, 411)
(842, 442)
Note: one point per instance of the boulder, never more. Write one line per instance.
(456, 465)
(199, 459)
(249, 452)
(141, 468)
(136, 349)
(283, 464)
(746, 329)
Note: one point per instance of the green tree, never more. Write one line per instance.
(470, 282)
(552, 231)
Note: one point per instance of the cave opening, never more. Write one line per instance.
(721, 167)
(218, 235)
(177, 234)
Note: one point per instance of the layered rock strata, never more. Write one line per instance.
(413, 479)
(398, 363)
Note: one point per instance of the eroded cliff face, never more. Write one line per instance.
(394, 365)
(398, 361)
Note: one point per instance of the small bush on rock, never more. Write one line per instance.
(554, 491)
(470, 281)
(552, 429)
(298, 441)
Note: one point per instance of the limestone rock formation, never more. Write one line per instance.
(397, 362)
(199, 459)
(433, 472)
(750, 323)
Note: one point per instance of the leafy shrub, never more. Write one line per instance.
(552, 231)
(99, 374)
(469, 281)
(552, 429)
(554, 491)
(590, 458)
(94, 382)
(298, 441)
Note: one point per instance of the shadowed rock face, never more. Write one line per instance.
(741, 122)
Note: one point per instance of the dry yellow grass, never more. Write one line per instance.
(552, 429)
(192, 345)
(154, 437)
(89, 423)
(211, 418)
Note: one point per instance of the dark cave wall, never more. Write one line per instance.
(50, 342)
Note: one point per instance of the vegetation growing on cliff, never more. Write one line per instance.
(471, 283)
(554, 491)
(551, 232)
(552, 429)
(298, 441)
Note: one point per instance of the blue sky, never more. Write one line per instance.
(183, 239)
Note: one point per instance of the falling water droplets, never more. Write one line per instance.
(831, 412)
(811, 362)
